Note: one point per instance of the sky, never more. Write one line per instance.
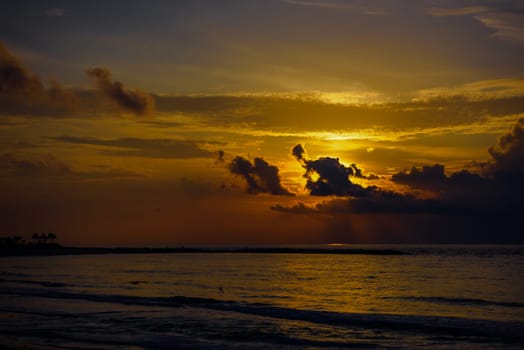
(166, 123)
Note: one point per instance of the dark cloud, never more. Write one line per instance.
(333, 178)
(357, 172)
(220, 155)
(23, 92)
(134, 101)
(261, 177)
(464, 206)
(15, 80)
(429, 176)
(500, 191)
(500, 187)
(298, 152)
(142, 147)
(377, 202)
(434, 178)
(508, 153)
(327, 176)
(434, 225)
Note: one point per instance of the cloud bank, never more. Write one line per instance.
(143, 147)
(487, 204)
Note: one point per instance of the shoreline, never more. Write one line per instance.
(52, 251)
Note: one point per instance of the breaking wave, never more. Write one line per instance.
(431, 325)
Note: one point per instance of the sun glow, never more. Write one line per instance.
(347, 136)
(352, 97)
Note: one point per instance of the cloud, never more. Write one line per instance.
(507, 160)
(377, 203)
(462, 188)
(135, 101)
(429, 222)
(7, 145)
(298, 152)
(220, 155)
(506, 26)
(434, 177)
(161, 124)
(23, 92)
(15, 80)
(144, 147)
(333, 178)
(299, 208)
(464, 207)
(498, 194)
(505, 18)
(284, 114)
(456, 11)
(327, 176)
(476, 91)
(498, 189)
(508, 153)
(260, 176)
(338, 5)
(44, 167)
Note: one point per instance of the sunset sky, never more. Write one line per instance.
(159, 123)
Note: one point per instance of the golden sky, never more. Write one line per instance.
(242, 122)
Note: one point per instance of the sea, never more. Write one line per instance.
(435, 297)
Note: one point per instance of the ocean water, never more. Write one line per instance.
(435, 297)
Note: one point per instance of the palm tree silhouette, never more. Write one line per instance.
(51, 236)
(36, 237)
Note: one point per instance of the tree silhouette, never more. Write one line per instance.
(44, 238)
(36, 237)
(51, 236)
(10, 241)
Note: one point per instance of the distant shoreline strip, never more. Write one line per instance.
(22, 251)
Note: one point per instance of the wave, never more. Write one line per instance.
(433, 325)
(459, 301)
(487, 251)
(13, 274)
(40, 283)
